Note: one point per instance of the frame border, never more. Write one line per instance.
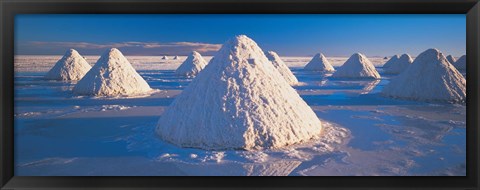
(9, 8)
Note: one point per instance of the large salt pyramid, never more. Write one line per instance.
(451, 59)
(429, 78)
(319, 63)
(391, 61)
(192, 66)
(399, 65)
(357, 66)
(239, 101)
(461, 63)
(71, 67)
(282, 67)
(112, 75)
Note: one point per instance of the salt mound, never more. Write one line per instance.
(71, 67)
(399, 65)
(357, 66)
(192, 66)
(451, 59)
(112, 75)
(282, 67)
(175, 58)
(429, 78)
(319, 63)
(390, 61)
(461, 63)
(165, 57)
(239, 101)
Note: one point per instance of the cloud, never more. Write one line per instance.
(130, 48)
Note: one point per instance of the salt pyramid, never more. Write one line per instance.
(319, 63)
(429, 78)
(192, 66)
(71, 67)
(357, 66)
(165, 57)
(112, 75)
(461, 63)
(451, 59)
(239, 101)
(390, 61)
(175, 58)
(399, 65)
(282, 67)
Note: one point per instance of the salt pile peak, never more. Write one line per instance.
(239, 101)
(451, 59)
(282, 67)
(357, 66)
(429, 78)
(112, 75)
(71, 67)
(392, 60)
(175, 58)
(319, 63)
(165, 57)
(399, 65)
(192, 65)
(461, 63)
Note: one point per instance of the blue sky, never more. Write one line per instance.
(288, 34)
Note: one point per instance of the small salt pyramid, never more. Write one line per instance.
(461, 63)
(390, 61)
(175, 58)
(429, 78)
(400, 65)
(451, 59)
(71, 67)
(239, 101)
(319, 63)
(112, 75)
(192, 66)
(357, 66)
(164, 57)
(282, 67)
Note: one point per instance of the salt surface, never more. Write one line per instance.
(71, 67)
(239, 101)
(399, 65)
(461, 63)
(112, 75)
(392, 60)
(451, 59)
(282, 67)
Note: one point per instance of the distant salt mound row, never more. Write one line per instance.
(192, 66)
(112, 75)
(282, 67)
(391, 61)
(71, 67)
(164, 58)
(319, 63)
(357, 66)
(451, 59)
(400, 65)
(429, 78)
(239, 101)
(461, 63)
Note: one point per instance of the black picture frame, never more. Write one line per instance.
(10, 8)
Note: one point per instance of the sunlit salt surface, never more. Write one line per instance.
(61, 134)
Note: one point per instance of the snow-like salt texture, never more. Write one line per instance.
(192, 66)
(461, 63)
(319, 63)
(429, 78)
(451, 59)
(239, 101)
(282, 67)
(71, 67)
(391, 61)
(399, 65)
(357, 66)
(165, 57)
(112, 75)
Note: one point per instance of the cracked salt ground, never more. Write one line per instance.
(58, 133)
